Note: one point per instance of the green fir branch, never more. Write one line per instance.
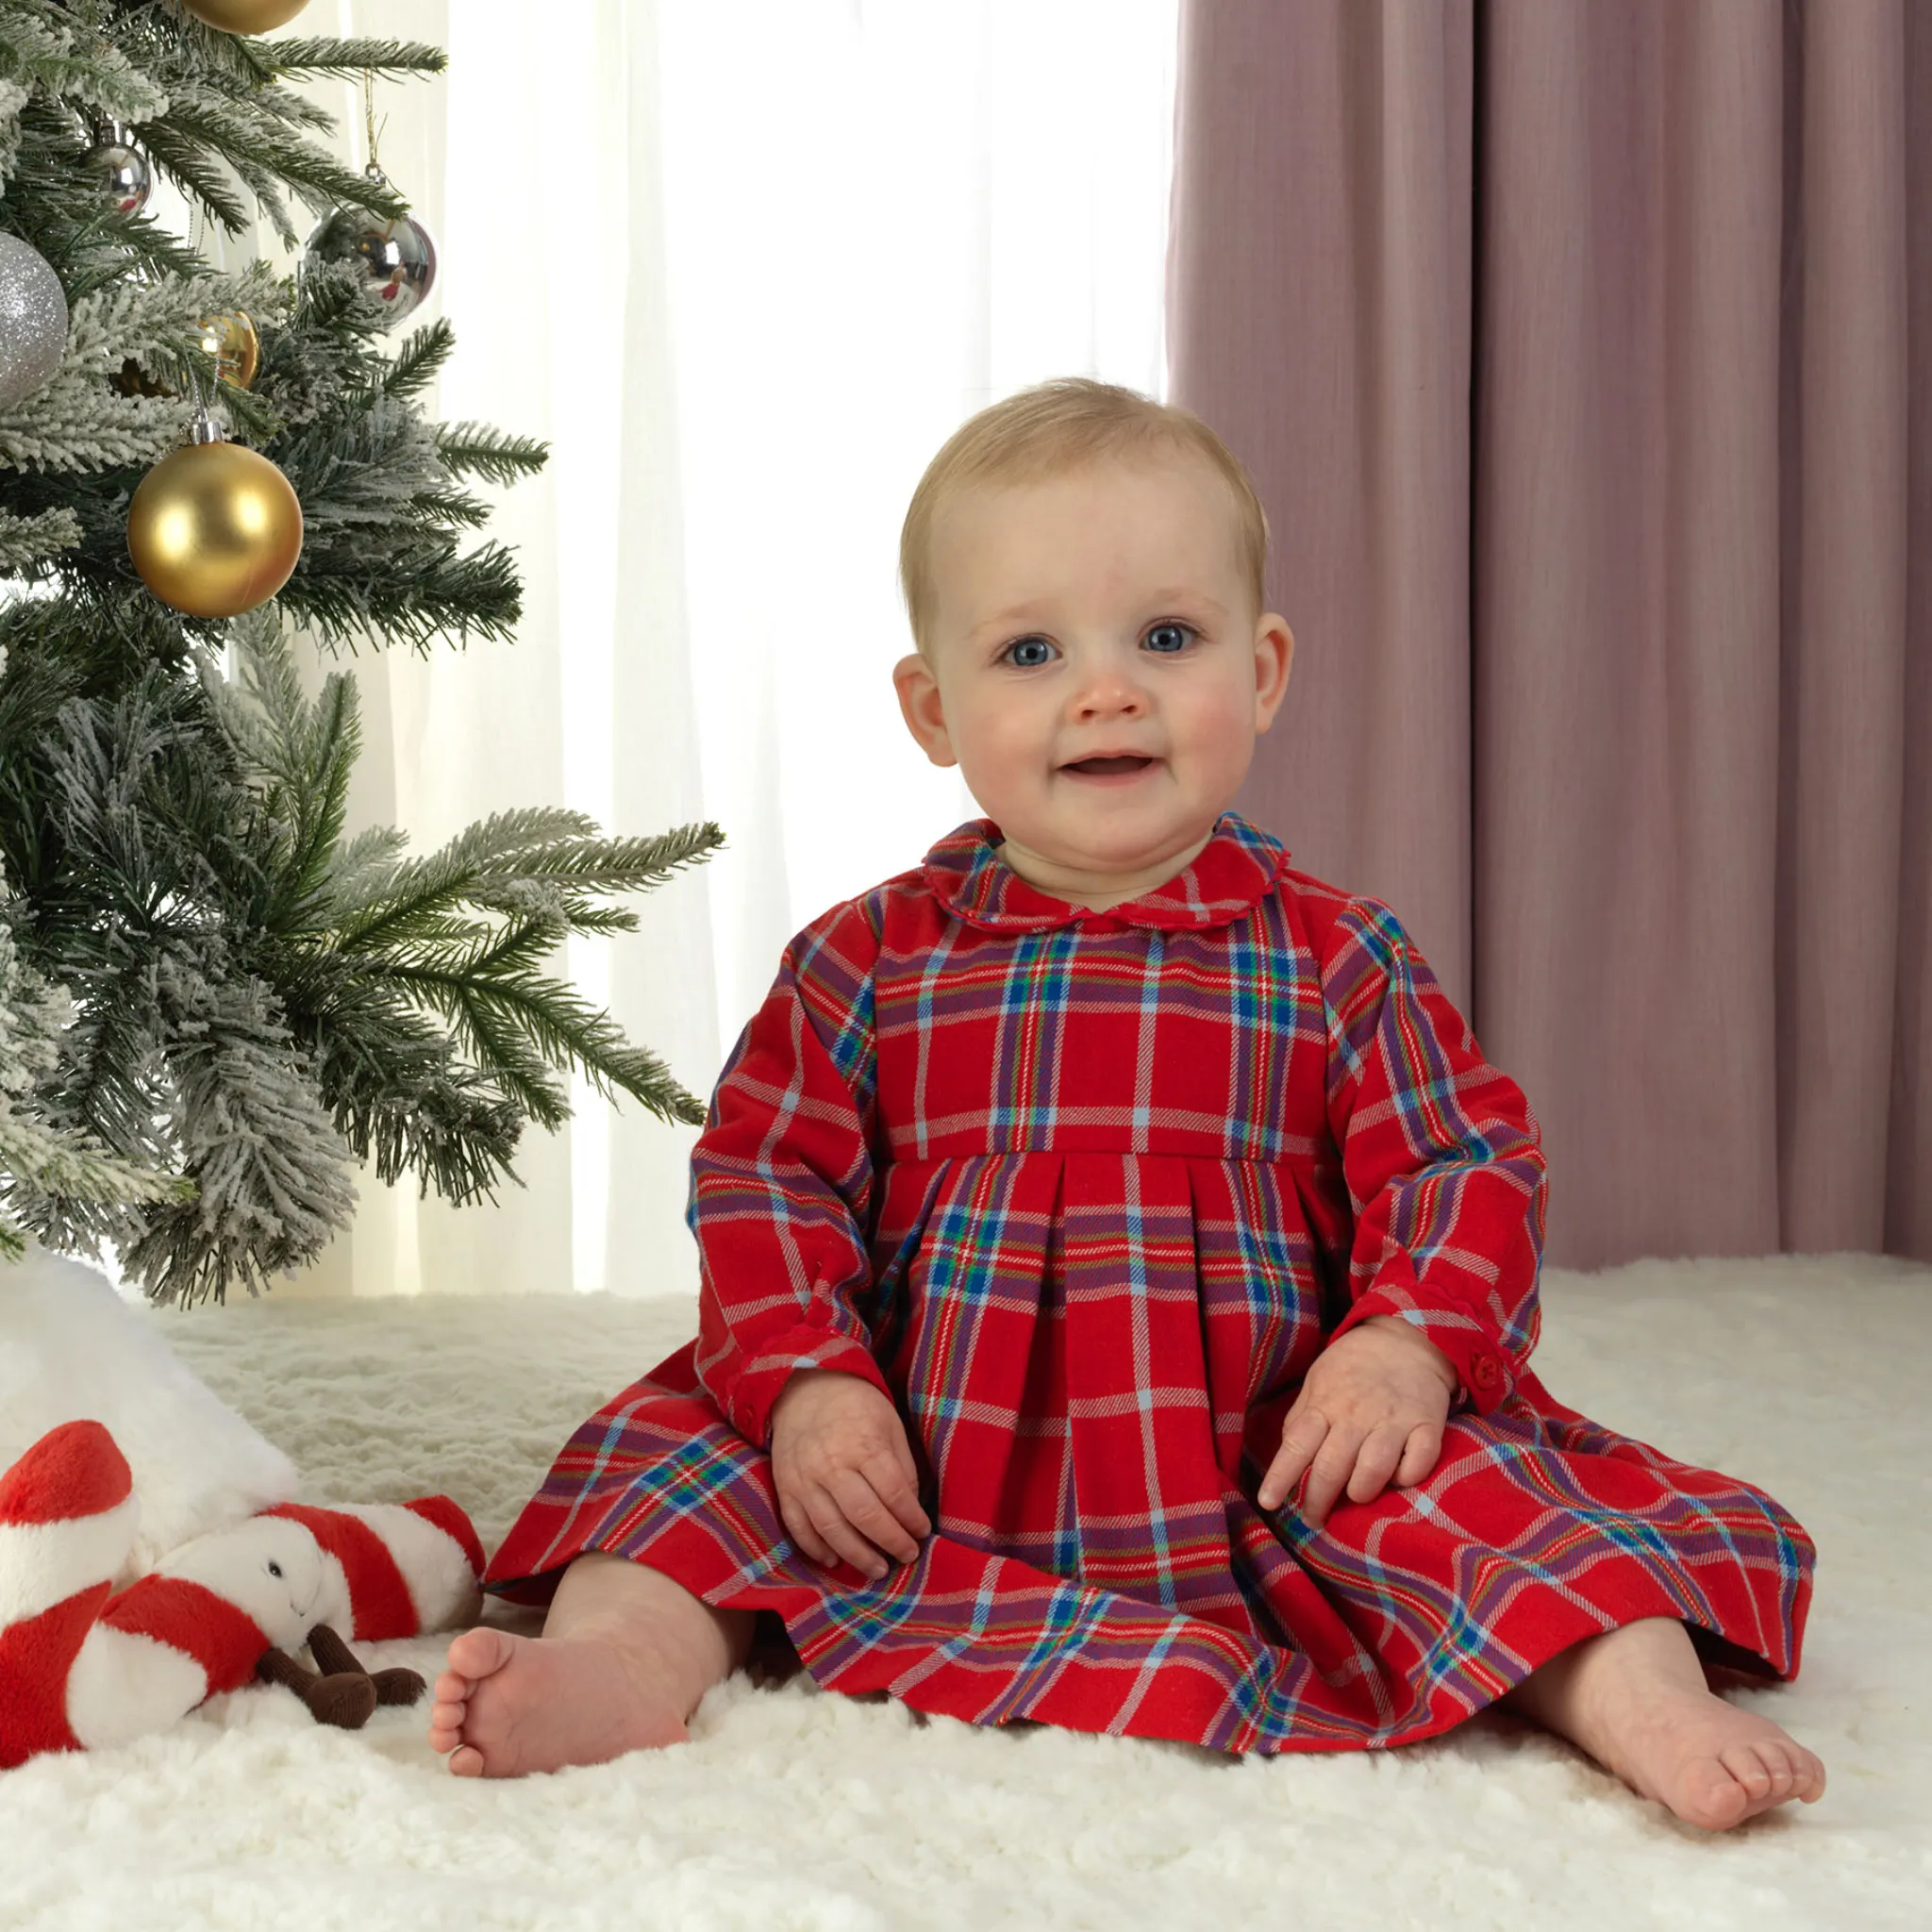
(346, 59)
(418, 359)
(176, 153)
(257, 999)
(450, 509)
(468, 448)
(424, 592)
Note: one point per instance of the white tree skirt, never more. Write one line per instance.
(795, 1808)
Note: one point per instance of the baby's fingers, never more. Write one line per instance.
(1301, 1435)
(1334, 1464)
(1422, 1453)
(798, 1525)
(840, 1536)
(864, 1508)
(895, 1484)
(1376, 1462)
(818, 1527)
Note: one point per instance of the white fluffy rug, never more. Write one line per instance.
(792, 1808)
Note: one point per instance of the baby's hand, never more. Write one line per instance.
(844, 1472)
(1373, 1406)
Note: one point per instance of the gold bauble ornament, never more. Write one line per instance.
(214, 528)
(243, 16)
(232, 341)
(230, 338)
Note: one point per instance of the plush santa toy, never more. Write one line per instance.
(81, 1668)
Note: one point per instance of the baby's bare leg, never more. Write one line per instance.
(624, 1658)
(1637, 1701)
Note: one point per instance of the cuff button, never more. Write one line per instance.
(1484, 1373)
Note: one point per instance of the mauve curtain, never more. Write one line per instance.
(1582, 354)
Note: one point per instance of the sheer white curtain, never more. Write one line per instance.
(744, 264)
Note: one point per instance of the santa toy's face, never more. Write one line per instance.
(271, 1570)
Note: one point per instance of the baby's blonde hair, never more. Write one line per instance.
(1046, 431)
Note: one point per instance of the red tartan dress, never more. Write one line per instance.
(1086, 1193)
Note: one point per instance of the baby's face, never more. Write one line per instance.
(1103, 611)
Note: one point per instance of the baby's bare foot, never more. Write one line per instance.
(510, 1705)
(1713, 1764)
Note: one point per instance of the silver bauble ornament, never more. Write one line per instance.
(33, 319)
(397, 258)
(123, 174)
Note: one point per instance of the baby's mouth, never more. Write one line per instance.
(1105, 767)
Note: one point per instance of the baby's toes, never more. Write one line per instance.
(1807, 1772)
(1759, 1768)
(1781, 1760)
(1763, 1770)
(447, 1713)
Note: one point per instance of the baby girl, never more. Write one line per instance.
(1119, 1262)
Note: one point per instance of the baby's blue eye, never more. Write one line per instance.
(1167, 639)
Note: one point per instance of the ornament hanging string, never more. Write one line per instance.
(197, 217)
(393, 256)
(369, 116)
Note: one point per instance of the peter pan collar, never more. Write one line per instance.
(1229, 876)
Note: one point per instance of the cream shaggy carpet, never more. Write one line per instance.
(792, 1808)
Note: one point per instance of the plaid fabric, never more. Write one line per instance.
(1087, 1194)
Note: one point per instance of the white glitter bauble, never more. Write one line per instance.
(33, 319)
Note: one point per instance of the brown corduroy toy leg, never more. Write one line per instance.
(345, 1698)
(332, 1656)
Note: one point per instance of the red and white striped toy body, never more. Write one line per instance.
(81, 1669)
(67, 1520)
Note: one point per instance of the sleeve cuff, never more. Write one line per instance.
(763, 1381)
(1484, 1373)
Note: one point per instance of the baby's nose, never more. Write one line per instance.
(1111, 689)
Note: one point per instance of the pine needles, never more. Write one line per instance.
(214, 1003)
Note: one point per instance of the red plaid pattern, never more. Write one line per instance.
(1086, 1194)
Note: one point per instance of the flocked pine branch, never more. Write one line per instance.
(464, 933)
(191, 95)
(75, 422)
(38, 1161)
(258, 998)
(271, 1173)
(380, 558)
(262, 998)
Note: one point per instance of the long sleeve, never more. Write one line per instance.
(1442, 1155)
(782, 1180)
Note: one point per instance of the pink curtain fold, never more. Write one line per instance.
(1582, 356)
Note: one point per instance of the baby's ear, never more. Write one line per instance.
(919, 705)
(910, 672)
(1274, 660)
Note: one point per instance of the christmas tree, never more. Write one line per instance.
(213, 1003)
